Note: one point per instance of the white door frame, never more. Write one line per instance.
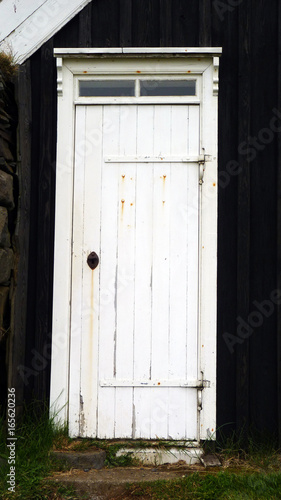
(195, 63)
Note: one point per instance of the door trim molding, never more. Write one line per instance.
(198, 62)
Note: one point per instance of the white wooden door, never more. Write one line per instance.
(134, 321)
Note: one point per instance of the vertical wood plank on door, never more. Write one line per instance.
(108, 273)
(194, 130)
(192, 283)
(178, 269)
(125, 303)
(192, 249)
(77, 286)
(192, 271)
(161, 273)
(143, 270)
(191, 416)
(91, 242)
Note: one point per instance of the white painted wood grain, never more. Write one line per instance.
(12, 14)
(141, 226)
(115, 382)
(196, 51)
(143, 271)
(108, 273)
(125, 303)
(91, 278)
(153, 159)
(75, 407)
(208, 258)
(59, 392)
(160, 272)
(38, 22)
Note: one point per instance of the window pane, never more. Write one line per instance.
(106, 88)
(167, 87)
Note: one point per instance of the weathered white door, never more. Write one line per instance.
(134, 322)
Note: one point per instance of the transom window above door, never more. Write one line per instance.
(137, 87)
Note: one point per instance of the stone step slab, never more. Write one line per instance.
(82, 460)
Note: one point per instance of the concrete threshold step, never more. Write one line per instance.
(95, 459)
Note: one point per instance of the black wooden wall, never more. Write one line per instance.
(249, 219)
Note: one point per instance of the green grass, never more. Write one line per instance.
(35, 436)
(248, 472)
(64, 443)
(220, 486)
(259, 450)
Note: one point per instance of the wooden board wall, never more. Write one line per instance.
(248, 255)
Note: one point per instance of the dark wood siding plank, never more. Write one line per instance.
(21, 238)
(185, 23)
(35, 70)
(278, 232)
(165, 19)
(205, 23)
(243, 217)
(126, 23)
(68, 36)
(226, 36)
(40, 354)
(85, 27)
(262, 342)
(146, 23)
(105, 23)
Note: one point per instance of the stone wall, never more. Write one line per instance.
(8, 196)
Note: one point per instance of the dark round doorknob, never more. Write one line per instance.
(93, 260)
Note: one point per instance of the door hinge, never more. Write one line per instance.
(199, 400)
(204, 385)
(202, 166)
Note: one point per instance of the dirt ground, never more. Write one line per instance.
(109, 483)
